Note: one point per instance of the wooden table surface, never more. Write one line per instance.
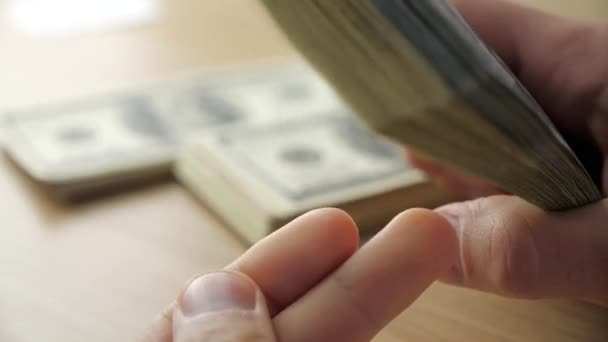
(100, 270)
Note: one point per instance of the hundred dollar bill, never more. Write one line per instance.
(415, 72)
(259, 178)
(84, 146)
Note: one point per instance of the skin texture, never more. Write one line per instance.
(500, 244)
(508, 246)
(314, 265)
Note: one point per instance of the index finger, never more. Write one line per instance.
(376, 284)
(286, 264)
(292, 260)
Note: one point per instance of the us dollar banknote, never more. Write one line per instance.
(416, 72)
(259, 178)
(86, 145)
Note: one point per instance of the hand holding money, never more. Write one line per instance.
(508, 245)
(567, 248)
(277, 290)
(415, 72)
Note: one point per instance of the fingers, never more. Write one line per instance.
(496, 21)
(512, 248)
(298, 256)
(508, 27)
(599, 129)
(464, 186)
(376, 284)
(222, 306)
(161, 328)
(566, 82)
(285, 265)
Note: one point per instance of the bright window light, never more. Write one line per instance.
(65, 17)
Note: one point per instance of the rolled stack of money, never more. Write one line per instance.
(415, 72)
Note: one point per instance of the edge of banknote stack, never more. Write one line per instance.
(97, 144)
(259, 178)
(415, 72)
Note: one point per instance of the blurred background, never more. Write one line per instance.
(100, 271)
(58, 57)
(53, 49)
(57, 51)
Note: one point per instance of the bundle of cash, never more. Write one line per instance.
(260, 177)
(415, 72)
(259, 144)
(103, 143)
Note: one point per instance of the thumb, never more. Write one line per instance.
(512, 248)
(223, 306)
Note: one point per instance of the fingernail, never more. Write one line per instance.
(216, 292)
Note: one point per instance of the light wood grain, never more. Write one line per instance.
(100, 270)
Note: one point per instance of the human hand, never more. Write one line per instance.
(308, 282)
(507, 245)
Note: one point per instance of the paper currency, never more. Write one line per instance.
(84, 146)
(415, 72)
(259, 178)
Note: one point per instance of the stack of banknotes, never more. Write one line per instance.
(415, 72)
(260, 177)
(84, 146)
(258, 144)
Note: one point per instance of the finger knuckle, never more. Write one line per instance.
(502, 255)
(363, 315)
(514, 256)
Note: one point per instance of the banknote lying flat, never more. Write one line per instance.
(81, 147)
(259, 145)
(417, 73)
(259, 178)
